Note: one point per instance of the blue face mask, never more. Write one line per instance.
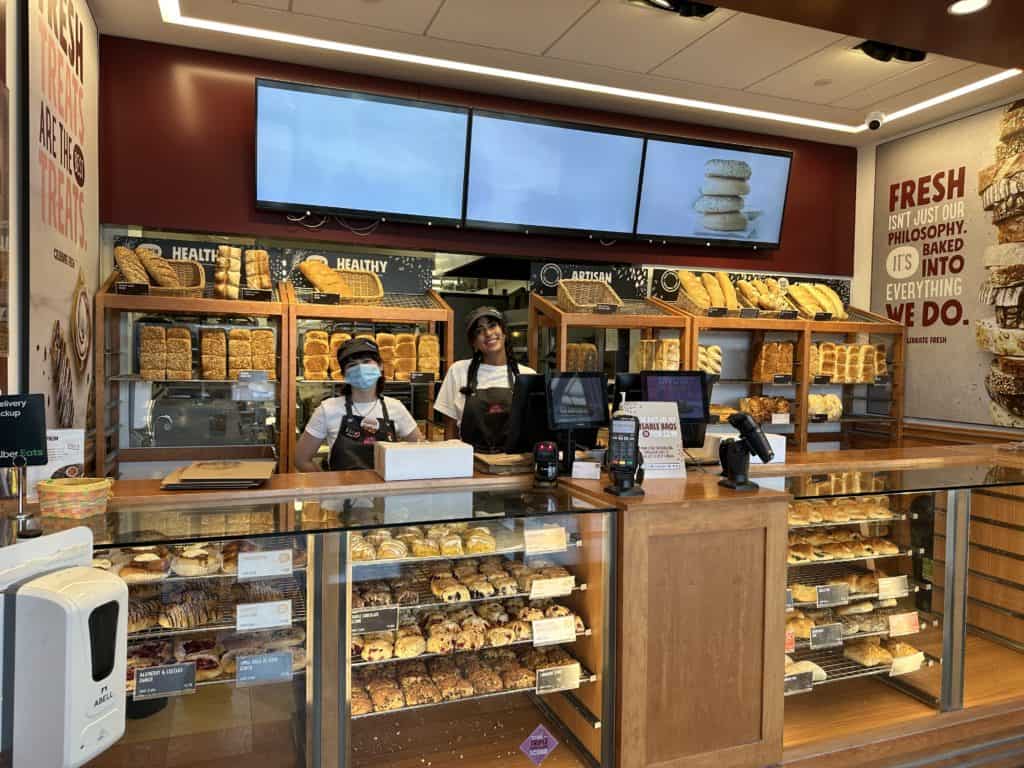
(363, 375)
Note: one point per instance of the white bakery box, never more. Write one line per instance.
(423, 461)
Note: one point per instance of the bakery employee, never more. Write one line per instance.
(476, 395)
(353, 423)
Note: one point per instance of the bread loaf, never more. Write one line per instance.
(572, 357)
(129, 265)
(315, 363)
(728, 290)
(405, 364)
(405, 349)
(213, 342)
(214, 367)
(647, 350)
(385, 340)
(315, 346)
(694, 289)
(323, 278)
(666, 355)
(263, 342)
(158, 268)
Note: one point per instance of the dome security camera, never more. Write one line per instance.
(875, 120)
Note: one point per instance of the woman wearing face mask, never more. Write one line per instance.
(476, 395)
(362, 416)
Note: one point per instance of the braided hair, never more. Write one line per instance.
(478, 358)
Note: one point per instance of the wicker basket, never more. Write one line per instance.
(191, 276)
(74, 497)
(585, 295)
(363, 286)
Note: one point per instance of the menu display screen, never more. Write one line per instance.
(709, 193)
(337, 151)
(529, 174)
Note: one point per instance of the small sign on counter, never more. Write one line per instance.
(256, 294)
(252, 617)
(904, 665)
(561, 629)
(717, 311)
(830, 595)
(782, 378)
(822, 316)
(749, 313)
(780, 418)
(264, 668)
(826, 636)
(901, 624)
(559, 586)
(377, 620)
(890, 587)
(264, 565)
(169, 680)
(549, 538)
(821, 380)
(555, 679)
(799, 682)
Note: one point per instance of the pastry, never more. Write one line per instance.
(188, 615)
(409, 646)
(377, 650)
(130, 266)
(145, 566)
(485, 681)
(455, 593)
(480, 544)
(205, 652)
(518, 678)
(803, 593)
(143, 615)
(867, 652)
(800, 553)
(392, 549)
(899, 649)
(441, 643)
(231, 551)
(800, 626)
(499, 636)
(521, 630)
(158, 268)
(470, 639)
(387, 699)
(817, 673)
(451, 545)
(196, 561)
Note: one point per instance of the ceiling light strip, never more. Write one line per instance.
(170, 11)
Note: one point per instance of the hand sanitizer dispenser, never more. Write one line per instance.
(69, 632)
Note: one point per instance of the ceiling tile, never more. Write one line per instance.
(930, 90)
(402, 15)
(908, 82)
(527, 26)
(743, 50)
(619, 34)
(832, 74)
(281, 5)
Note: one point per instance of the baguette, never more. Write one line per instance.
(728, 291)
(713, 289)
(158, 268)
(694, 288)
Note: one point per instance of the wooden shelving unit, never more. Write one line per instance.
(109, 379)
(647, 315)
(426, 311)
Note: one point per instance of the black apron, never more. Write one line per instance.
(353, 448)
(485, 418)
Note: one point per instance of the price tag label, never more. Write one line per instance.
(555, 679)
(833, 594)
(820, 479)
(787, 314)
(263, 565)
(819, 418)
(749, 313)
(882, 379)
(605, 309)
(892, 587)
(315, 297)
(550, 538)
(780, 418)
(264, 668)
(819, 380)
(132, 289)
(255, 392)
(375, 620)
(822, 315)
(904, 665)
(801, 682)
(789, 600)
(717, 311)
(790, 641)
(901, 624)
(170, 680)
(253, 377)
(826, 636)
(256, 294)
(561, 629)
(251, 617)
(557, 587)
(419, 377)
(782, 378)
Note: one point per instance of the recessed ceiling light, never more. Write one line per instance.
(170, 12)
(965, 7)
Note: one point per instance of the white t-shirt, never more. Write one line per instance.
(450, 400)
(326, 419)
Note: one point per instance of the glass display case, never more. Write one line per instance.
(472, 627)
(903, 595)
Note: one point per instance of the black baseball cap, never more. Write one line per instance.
(480, 313)
(357, 348)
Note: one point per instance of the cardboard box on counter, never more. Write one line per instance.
(423, 461)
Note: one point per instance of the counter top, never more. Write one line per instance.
(889, 458)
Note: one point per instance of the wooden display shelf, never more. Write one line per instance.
(647, 315)
(108, 379)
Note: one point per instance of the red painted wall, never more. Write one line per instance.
(177, 136)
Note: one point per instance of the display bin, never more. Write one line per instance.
(185, 419)
(318, 676)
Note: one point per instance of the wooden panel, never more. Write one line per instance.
(990, 619)
(701, 633)
(702, 701)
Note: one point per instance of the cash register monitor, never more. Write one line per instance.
(630, 386)
(528, 420)
(577, 401)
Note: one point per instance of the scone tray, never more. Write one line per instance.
(822, 575)
(902, 553)
(508, 543)
(838, 667)
(585, 677)
(925, 623)
(868, 521)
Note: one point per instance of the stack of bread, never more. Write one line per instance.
(722, 195)
(761, 407)
(708, 290)
(386, 344)
(153, 352)
(239, 351)
(316, 355)
(829, 404)
(709, 359)
(228, 275)
(659, 355)
(848, 363)
(1001, 187)
(179, 354)
(428, 354)
(405, 355)
(581, 357)
(812, 299)
(213, 353)
(764, 294)
(264, 352)
(335, 341)
(257, 269)
(773, 358)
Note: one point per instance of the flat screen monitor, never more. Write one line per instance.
(331, 151)
(577, 401)
(529, 417)
(628, 386)
(710, 193)
(685, 388)
(525, 174)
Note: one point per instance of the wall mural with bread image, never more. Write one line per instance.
(948, 263)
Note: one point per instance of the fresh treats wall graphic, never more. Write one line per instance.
(63, 206)
(949, 265)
